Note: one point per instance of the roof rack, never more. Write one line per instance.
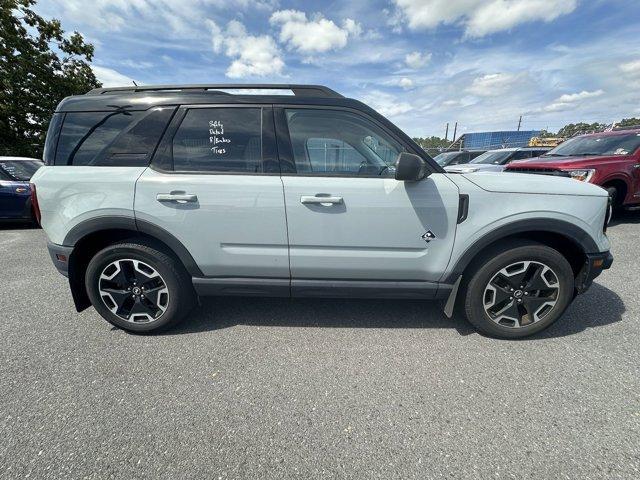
(298, 90)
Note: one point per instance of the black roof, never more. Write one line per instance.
(143, 97)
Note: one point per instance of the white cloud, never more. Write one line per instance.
(493, 84)
(481, 17)
(254, 56)
(632, 68)
(417, 60)
(313, 36)
(405, 82)
(111, 78)
(571, 100)
(386, 104)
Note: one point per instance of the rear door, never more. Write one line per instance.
(348, 218)
(215, 186)
(11, 201)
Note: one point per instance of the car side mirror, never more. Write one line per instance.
(411, 167)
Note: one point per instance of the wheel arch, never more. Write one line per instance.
(621, 183)
(569, 239)
(91, 236)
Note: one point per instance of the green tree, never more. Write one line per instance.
(581, 127)
(432, 142)
(628, 122)
(39, 66)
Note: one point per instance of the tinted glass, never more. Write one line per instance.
(521, 155)
(492, 157)
(85, 135)
(449, 158)
(598, 145)
(19, 170)
(111, 138)
(219, 140)
(335, 142)
(52, 138)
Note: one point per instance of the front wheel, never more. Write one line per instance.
(138, 288)
(519, 290)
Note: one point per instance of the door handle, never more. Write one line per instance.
(177, 197)
(320, 200)
(21, 190)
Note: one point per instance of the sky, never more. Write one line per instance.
(422, 63)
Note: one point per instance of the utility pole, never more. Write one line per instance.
(519, 122)
(455, 130)
(446, 132)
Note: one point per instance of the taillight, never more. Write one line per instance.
(34, 203)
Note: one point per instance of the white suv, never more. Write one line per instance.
(153, 196)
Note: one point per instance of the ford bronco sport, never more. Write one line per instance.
(608, 159)
(154, 196)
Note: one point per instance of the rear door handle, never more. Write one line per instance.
(177, 197)
(321, 199)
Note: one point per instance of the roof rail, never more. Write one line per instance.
(298, 90)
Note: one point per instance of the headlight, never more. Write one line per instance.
(581, 175)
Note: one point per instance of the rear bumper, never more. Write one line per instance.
(593, 266)
(60, 256)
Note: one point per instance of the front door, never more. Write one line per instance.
(215, 186)
(348, 218)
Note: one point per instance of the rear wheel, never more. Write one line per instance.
(519, 290)
(139, 288)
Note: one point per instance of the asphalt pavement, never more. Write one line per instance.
(277, 388)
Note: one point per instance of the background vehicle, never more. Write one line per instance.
(496, 160)
(180, 191)
(457, 157)
(608, 159)
(15, 192)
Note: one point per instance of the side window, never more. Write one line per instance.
(335, 142)
(219, 140)
(119, 138)
(521, 155)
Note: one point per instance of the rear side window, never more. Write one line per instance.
(219, 140)
(120, 138)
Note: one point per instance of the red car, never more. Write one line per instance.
(608, 159)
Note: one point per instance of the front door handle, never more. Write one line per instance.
(177, 197)
(320, 199)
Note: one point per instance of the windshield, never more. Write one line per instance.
(495, 157)
(20, 170)
(445, 157)
(597, 145)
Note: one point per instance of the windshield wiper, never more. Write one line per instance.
(552, 155)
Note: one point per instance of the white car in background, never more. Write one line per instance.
(496, 160)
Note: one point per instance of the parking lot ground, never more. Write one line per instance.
(273, 388)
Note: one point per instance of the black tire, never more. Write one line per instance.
(614, 196)
(488, 286)
(177, 299)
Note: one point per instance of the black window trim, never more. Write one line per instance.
(285, 148)
(163, 156)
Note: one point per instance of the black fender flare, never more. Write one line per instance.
(123, 222)
(570, 231)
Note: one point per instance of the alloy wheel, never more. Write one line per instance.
(521, 294)
(133, 290)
